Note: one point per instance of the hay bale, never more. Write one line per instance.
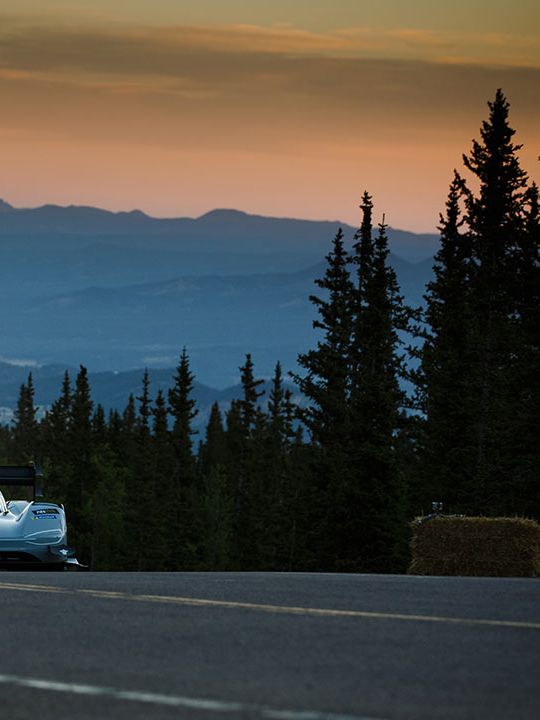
(499, 547)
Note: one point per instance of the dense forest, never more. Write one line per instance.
(400, 407)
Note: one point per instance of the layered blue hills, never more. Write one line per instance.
(120, 291)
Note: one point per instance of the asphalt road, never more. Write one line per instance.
(206, 646)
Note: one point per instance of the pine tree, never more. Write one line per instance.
(326, 385)
(522, 458)
(370, 519)
(145, 410)
(234, 438)
(445, 360)
(494, 217)
(248, 403)
(82, 480)
(364, 249)
(279, 487)
(182, 408)
(137, 461)
(114, 430)
(147, 549)
(57, 418)
(244, 420)
(55, 430)
(355, 415)
(213, 450)
(129, 417)
(160, 425)
(165, 485)
(281, 410)
(164, 460)
(80, 422)
(477, 362)
(99, 426)
(25, 432)
(363, 259)
(126, 432)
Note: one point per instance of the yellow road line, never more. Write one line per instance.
(273, 609)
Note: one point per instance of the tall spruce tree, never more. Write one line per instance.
(364, 249)
(370, 519)
(165, 485)
(82, 477)
(25, 432)
(55, 430)
(99, 425)
(356, 405)
(445, 384)
(159, 419)
(485, 349)
(163, 451)
(244, 474)
(522, 491)
(326, 386)
(213, 450)
(129, 427)
(148, 550)
(182, 408)
(80, 441)
(139, 478)
(145, 409)
(234, 435)
(250, 394)
(57, 418)
(326, 383)
(481, 354)
(281, 409)
(494, 217)
(281, 484)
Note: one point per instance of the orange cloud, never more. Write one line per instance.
(266, 119)
(88, 48)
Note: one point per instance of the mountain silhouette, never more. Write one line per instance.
(124, 290)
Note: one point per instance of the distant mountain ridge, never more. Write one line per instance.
(240, 231)
(218, 318)
(123, 290)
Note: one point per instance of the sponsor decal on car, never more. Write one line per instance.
(45, 513)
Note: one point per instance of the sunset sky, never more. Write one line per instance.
(281, 107)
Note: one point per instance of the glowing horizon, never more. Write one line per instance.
(291, 111)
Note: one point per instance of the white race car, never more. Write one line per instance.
(33, 534)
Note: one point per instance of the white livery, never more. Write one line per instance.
(33, 534)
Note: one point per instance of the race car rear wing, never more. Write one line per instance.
(22, 476)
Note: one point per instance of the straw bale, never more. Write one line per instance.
(480, 546)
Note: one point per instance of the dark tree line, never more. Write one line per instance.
(140, 496)
(330, 482)
(478, 382)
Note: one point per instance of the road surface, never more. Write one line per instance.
(263, 646)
